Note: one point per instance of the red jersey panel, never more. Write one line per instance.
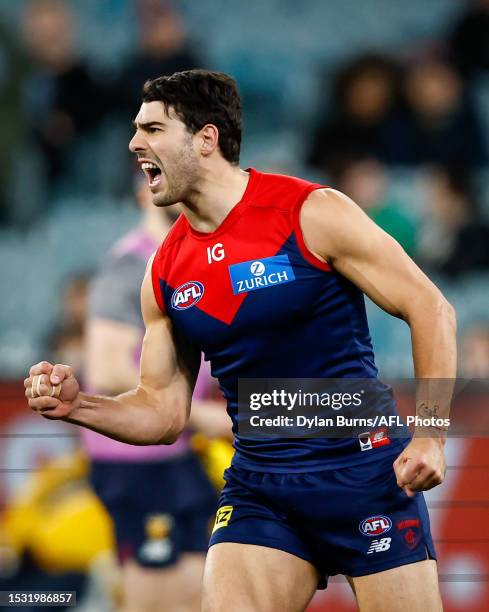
(260, 305)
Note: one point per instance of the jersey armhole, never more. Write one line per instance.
(156, 283)
(306, 253)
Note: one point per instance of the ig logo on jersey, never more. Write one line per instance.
(375, 525)
(187, 295)
(215, 253)
(261, 273)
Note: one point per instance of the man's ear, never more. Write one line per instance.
(210, 139)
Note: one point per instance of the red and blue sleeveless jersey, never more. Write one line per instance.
(259, 304)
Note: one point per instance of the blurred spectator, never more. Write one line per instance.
(469, 40)
(66, 345)
(158, 496)
(442, 125)
(62, 100)
(163, 49)
(55, 533)
(65, 341)
(455, 235)
(74, 299)
(12, 71)
(365, 180)
(474, 351)
(363, 115)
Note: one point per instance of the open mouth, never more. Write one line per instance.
(152, 172)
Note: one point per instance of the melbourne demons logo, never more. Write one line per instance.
(375, 525)
(410, 530)
(187, 295)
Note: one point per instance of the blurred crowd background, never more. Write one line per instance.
(386, 101)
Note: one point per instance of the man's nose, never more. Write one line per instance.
(136, 144)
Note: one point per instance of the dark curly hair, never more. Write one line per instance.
(199, 97)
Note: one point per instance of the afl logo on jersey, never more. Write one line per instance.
(187, 295)
(375, 525)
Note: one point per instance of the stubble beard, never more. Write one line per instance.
(180, 174)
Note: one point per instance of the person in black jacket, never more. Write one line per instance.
(62, 99)
(456, 234)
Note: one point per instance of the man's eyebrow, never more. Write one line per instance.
(147, 125)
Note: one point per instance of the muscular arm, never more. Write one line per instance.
(111, 370)
(156, 411)
(336, 230)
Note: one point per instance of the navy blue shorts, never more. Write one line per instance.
(353, 521)
(160, 509)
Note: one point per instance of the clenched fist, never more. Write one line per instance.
(421, 465)
(52, 390)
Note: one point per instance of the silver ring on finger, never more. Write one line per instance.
(56, 390)
(38, 385)
(33, 386)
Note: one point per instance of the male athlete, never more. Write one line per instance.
(292, 511)
(159, 497)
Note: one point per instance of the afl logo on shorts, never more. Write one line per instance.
(187, 295)
(375, 525)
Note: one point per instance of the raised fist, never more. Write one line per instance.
(52, 390)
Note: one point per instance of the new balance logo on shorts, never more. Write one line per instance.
(379, 545)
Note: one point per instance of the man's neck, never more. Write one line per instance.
(215, 195)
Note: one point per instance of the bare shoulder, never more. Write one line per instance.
(328, 197)
(332, 223)
(331, 208)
